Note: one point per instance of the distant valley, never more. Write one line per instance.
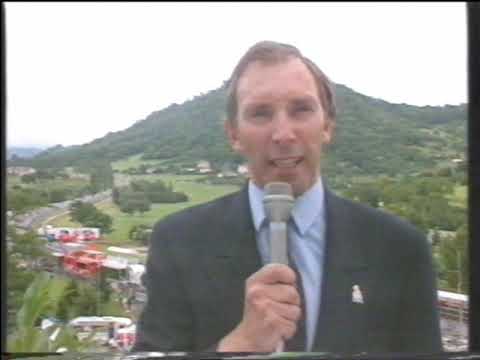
(24, 151)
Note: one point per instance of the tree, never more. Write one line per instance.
(45, 174)
(133, 201)
(101, 176)
(141, 193)
(22, 200)
(88, 215)
(116, 196)
(19, 278)
(140, 233)
(369, 195)
(112, 307)
(127, 207)
(453, 258)
(100, 220)
(81, 211)
(144, 205)
(28, 178)
(24, 254)
(27, 248)
(57, 195)
(83, 299)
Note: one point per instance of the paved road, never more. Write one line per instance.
(35, 218)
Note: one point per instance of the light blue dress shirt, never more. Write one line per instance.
(308, 245)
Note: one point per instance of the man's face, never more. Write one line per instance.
(281, 124)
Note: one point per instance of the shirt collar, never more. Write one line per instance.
(307, 207)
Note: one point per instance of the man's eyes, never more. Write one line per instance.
(261, 113)
(302, 108)
(266, 113)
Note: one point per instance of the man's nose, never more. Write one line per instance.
(283, 132)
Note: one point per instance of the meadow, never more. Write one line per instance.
(134, 161)
(122, 223)
(459, 197)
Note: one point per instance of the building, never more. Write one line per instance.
(242, 169)
(20, 170)
(204, 167)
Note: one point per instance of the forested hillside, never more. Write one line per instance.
(373, 137)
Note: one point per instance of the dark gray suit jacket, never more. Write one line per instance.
(200, 258)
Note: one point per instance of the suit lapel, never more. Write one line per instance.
(235, 256)
(342, 317)
(245, 255)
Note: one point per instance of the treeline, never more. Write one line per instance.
(20, 199)
(52, 185)
(100, 173)
(140, 194)
(428, 203)
(24, 197)
(421, 200)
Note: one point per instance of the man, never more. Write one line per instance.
(362, 280)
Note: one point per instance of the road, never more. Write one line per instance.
(35, 218)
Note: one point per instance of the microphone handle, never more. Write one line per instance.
(279, 255)
(278, 242)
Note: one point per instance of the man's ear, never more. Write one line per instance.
(328, 131)
(231, 131)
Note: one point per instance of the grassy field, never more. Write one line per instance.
(459, 196)
(63, 221)
(133, 161)
(122, 223)
(13, 180)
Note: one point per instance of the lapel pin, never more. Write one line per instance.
(357, 296)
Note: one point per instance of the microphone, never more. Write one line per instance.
(278, 203)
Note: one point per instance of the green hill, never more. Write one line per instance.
(373, 137)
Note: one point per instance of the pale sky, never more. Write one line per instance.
(76, 71)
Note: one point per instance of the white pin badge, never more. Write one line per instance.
(357, 296)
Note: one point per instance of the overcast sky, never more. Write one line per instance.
(76, 71)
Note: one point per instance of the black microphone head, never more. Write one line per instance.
(278, 201)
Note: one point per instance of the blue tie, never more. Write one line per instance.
(298, 341)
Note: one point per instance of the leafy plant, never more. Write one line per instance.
(42, 299)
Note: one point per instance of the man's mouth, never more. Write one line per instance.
(286, 163)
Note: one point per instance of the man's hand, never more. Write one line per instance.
(271, 311)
